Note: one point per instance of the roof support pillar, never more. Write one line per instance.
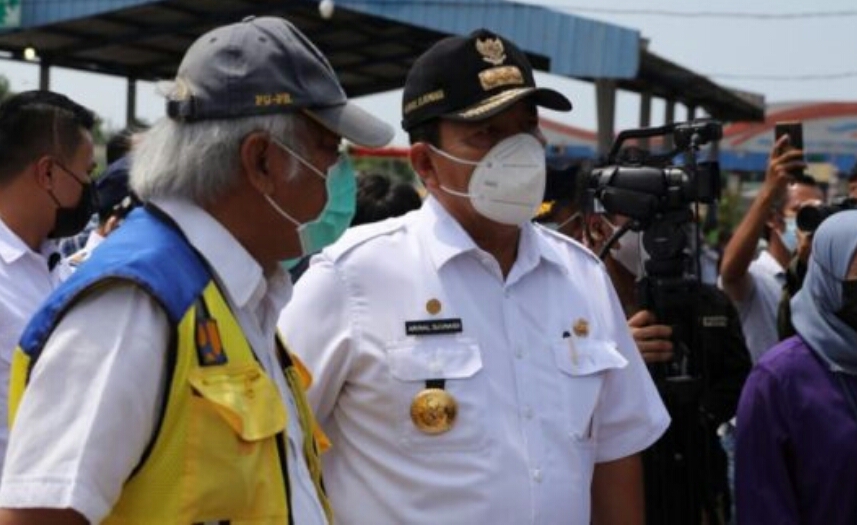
(669, 118)
(131, 102)
(44, 75)
(645, 116)
(605, 99)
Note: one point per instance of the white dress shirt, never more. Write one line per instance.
(546, 376)
(88, 413)
(759, 309)
(25, 281)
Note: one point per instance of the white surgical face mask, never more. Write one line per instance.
(508, 184)
(629, 252)
(789, 234)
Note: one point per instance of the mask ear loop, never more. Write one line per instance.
(452, 157)
(574, 216)
(617, 233)
(300, 159)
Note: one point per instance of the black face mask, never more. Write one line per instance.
(70, 221)
(848, 312)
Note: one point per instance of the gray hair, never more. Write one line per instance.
(201, 161)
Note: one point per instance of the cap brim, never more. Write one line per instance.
(544, 97)
(354, 124)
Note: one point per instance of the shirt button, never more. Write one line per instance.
(537, 475)
(528, 413)
(519, 353)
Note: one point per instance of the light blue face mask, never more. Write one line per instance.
(337, 213)
(789, 235)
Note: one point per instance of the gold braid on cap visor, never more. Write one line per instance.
(491, 103)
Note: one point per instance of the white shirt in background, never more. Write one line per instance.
(25, 281)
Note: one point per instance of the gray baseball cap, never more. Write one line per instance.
(261, 66)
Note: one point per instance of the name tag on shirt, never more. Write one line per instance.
(715, 321)
(433, 327)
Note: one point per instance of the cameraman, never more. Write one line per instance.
(755, 286)
(685, 471)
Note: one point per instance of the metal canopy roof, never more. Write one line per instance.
(668, 80)
(370, 43)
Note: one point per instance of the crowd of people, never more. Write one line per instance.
(251, 332)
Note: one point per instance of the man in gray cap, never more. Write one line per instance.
(151, 388)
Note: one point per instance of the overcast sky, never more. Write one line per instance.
(755, 48)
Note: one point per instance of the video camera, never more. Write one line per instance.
(810, 217)
(642, 186)
(657, 192)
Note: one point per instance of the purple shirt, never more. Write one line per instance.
(796, 442)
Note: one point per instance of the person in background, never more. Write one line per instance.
(469, 366)
(151, 387)
(796, 442)
(74, 246)
(46, 159)
(686, 470)
(379, 197)
(755, 286)
(794, 276)
(115, 201)
(852, 182)
(120, 144)
(680, 482)
(564, 199)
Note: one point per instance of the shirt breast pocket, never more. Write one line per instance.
(457, 361)
(583, 365)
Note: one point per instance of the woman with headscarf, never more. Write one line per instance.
(796, 448)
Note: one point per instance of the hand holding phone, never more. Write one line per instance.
(794, 130)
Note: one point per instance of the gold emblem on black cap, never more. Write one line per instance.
(434, 410)
(491, 50)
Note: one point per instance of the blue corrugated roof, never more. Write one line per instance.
(576, 47)
(35, 13)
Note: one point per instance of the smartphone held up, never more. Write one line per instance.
(794, 129)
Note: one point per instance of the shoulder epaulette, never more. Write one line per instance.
(568, 241)
(357, 235)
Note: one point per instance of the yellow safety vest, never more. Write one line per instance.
(219, 450)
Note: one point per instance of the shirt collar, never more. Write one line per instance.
(541, 246)
(767, 261)
(445, 237)
(13, 247)
(448, 239)
(236, 270)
